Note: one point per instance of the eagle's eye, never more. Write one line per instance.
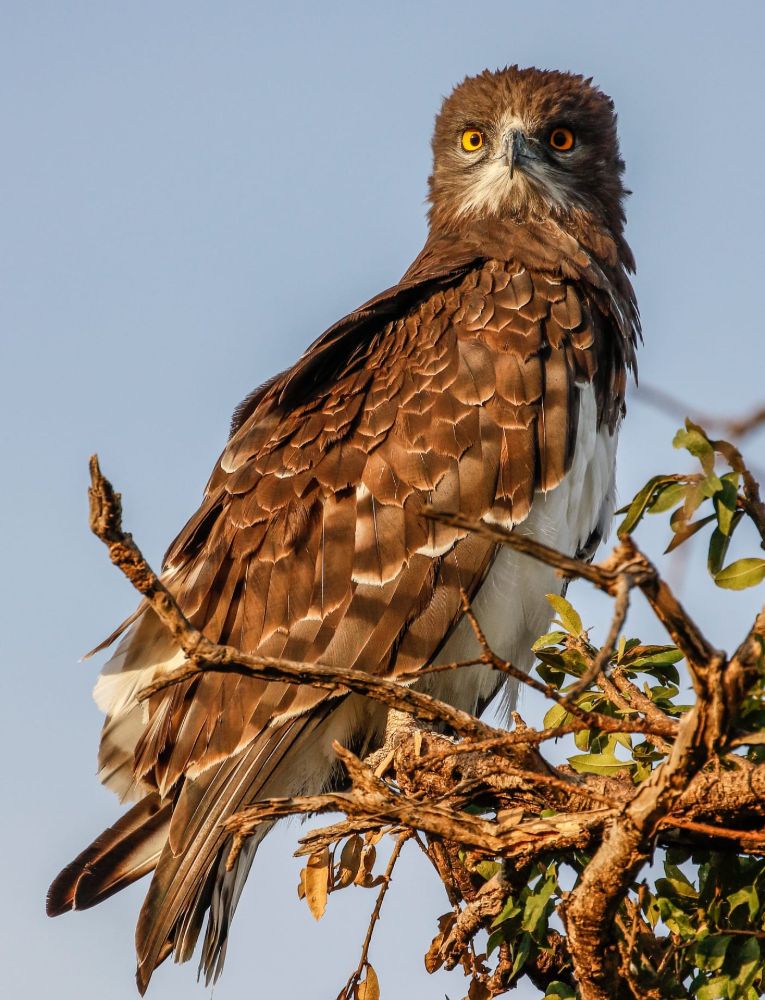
(472, 140)
(561, 139)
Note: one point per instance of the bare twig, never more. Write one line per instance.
(737, 427)
(600, 660)
(347, 991)
(488, 902)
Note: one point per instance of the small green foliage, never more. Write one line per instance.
(523, 922)
(487, 869)
(715, 920)
(559, 991)
(651, 668)
(706, 909)
(741, 574)
(685, 494)
(568, 616)
(661, 490)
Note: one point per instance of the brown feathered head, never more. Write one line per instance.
(526, 143)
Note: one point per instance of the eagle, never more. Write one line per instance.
(490, 382)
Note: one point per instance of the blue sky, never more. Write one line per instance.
(191, 193)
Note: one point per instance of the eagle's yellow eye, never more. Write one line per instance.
(561, 139)
(472, 140)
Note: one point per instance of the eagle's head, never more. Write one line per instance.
(526, 144)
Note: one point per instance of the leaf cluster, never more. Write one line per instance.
(696, 500)
(715, 919)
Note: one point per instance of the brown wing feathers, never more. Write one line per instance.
(311, 544)
(120, 855)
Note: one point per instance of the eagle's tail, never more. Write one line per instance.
(191, 876)
(120, 855)
(184, 842)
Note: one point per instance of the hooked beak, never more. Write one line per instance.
(515, 147)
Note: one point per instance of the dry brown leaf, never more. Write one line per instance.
(364, 874)
(315, 881)
(478, 991)
(433, 960)
(369, 988)
(350, 861)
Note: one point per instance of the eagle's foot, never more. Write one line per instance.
(400, 726)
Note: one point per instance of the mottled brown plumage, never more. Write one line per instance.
(459, 387)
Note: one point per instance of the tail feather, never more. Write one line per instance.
(188, 877)
(120, 855)
(227, 889)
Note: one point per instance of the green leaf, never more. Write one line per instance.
(640, 504)
(676, 875)
(536, 909)
(667, 497)
(696, 442)
(694, 498)
(652, 656)
(621, 648)
(651, 911)
(710, 951)
(495, 940)
(718, 549)
(741, 574)
(553, 638)
(599, 763)
(582, 739)
(710, 485)
(559, 991)
(720, 540)
(675, 918)
(725, 502)
(745, 897)
(714, 989)
(519, 960)
(747, 959)
(509, 910)
(568, 615)
(557, 716)
(487, 869)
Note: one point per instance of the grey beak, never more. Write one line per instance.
(514, 146)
